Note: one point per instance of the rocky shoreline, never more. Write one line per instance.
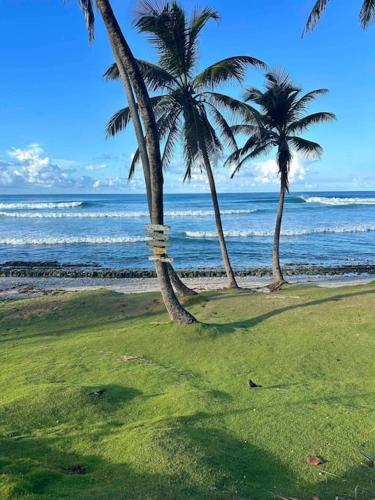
(45, 269)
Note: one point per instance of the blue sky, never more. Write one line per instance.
(54, 103)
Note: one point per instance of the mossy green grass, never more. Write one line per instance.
(103, 398)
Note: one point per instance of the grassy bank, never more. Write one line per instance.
(180, 420)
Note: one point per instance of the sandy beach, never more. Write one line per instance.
(26, 287)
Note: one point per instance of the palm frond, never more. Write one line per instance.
(301, 104)
(89, 16)
(309, 149)
(198, 20)
(136, 158)
(170, 142)
(118, 122)
(225, 129)
(231, 68)
(155, 76)
(244, 128)
(234, 106)
(307, 121)
(166, 27)
(112, 73)
(257, 151)
(367, 13)
(315, 15)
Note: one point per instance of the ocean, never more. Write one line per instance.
(330, 229)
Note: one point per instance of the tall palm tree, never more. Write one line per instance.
(188, 108)
(366, 14)
(132, 80)
(278, 116)
(178, 284)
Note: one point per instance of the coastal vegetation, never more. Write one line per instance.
(103, 397)
(189, 110)
(276, 122)
(133, 81)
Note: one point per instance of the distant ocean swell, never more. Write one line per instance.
(335, 201)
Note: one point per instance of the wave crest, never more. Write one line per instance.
(118, 214)
(88, 240)
(335, 201)
(41, 206)
(286, 232)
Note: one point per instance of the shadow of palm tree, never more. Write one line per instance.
(226, 328)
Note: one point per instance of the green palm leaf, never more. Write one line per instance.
(307, 121)
(309, 148)
(231, 68)
(367, 13)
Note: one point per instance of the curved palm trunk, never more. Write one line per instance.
(219, 226)
(178, 285)
(128, 68)
(277, 275)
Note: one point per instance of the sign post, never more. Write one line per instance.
(159, 242)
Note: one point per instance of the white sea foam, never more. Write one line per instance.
(89, 240)
(362, 228)
(118, 214)
(338, 201)
(41, 206)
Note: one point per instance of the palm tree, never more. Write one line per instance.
(178, 284)
(366, 14)
(132, 80)
(278, 116)
(189, 107)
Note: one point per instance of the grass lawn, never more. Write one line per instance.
(180, 420)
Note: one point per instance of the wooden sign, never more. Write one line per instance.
(158, 244)
(157, 227)
(160, 236)
(158, 251)
(160, 258)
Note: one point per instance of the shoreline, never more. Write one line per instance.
(13, 288)
(53, 269)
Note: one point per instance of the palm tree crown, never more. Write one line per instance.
(188, 108)
(276, 120)
(366, 14)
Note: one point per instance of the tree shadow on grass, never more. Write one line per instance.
(198, 462)
(79, 314)
(227, 328)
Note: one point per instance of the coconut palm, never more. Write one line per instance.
(278, 116)
(366, 14)
(188, 108)
(132, 80)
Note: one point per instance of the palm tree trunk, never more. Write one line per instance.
(277, 275)
(178, 285)
(128, 68)
(219, 226)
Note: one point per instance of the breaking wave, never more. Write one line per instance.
(285, 232)
(88, 240)
(334, 201)
(41, 206)
(117, 215)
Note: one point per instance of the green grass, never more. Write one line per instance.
(182, 422)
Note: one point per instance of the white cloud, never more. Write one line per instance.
(96, 166)
(266, 172)
(111, 182)
(30, 168)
